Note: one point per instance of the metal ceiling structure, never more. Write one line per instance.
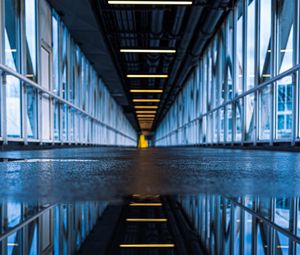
(109, 28)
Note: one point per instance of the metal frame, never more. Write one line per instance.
(292, 70)
(93, 125)
(47, 214)
(163, 132)
(218, 218)
(7, 70)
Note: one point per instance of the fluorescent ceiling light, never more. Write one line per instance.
(146, 90)
(146, 107)
(146, 51)
(145, 116)
(147, 76)
(146, 100)
(146, 195)
(150, 2)
(146, 220)
(145, 204)
(145, 111)
(152, 245)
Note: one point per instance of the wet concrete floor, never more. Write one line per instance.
(80, 174)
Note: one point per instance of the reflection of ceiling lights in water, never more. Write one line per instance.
(147, 245)
(146, 219)
(145, 112)
(145, 204)
(146, 107)
(146, 51)
(147, 76)
(146, 100)
(146, 90)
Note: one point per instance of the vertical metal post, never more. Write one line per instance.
(2, 75)
(23, 67)
(273, 70)
(234, 76)
(38, 71)
(59, 91)
(220, 88)
(2, 56)
(225, 27)
(242, 230)
(256, 71)
(232, 227)
(24, 114)
(244, 112)
(271, 235)
(296, 82)
(254, 229)
(293, 224)
(40, 116)
(4, 111)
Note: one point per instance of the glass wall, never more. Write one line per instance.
(57, 229)
(256, 43)
(12, 60)
(81, 111)
(31, 67)
(244, 225)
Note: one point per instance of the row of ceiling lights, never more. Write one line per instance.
(149, 2)
(144, 115)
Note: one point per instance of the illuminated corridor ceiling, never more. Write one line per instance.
(115, 37)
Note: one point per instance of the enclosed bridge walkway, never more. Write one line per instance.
(149, 127)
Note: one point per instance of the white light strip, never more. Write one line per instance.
(265, 75)
(286, 50)
(11, 50)
(145, 204)
(147, 245)
(146, 51)
(282, 246)
(146, 91)
(146, 107)
(13, 244)
(145, 100)
(146, 195)
(147, 76)
(139, 112)
(151, 2)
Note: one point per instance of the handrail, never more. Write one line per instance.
(248, 92)
(267, 221)
(24, 223)
(5, 69)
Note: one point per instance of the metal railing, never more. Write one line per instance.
(6, 70)
(278, 77)
(24, 223)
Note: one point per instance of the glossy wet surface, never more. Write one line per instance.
(82, 174)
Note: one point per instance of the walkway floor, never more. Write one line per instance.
(61, 175)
